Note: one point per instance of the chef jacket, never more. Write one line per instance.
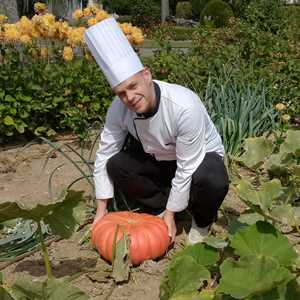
(180, 130)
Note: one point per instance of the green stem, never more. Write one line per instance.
(45, 252)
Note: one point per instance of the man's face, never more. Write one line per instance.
(137, 92)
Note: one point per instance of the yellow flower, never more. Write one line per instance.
(3, 19)
(11, 33)
(286, 117)
(77, 14)
(101, 15)
(76, 36)
(68, 53)
(280, 106)
(92, 21)
(25, 26)
(87, 12)
(39, 7)
(62, 30)
(137, 35)
(126, 27)
(25, 39)
(44, 52)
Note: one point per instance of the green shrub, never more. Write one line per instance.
(266, 15)
(217, 12)
(121, 7)
(238, 6)
(184, 10)
(42, 97)
(125, 19)
(197, 7)
(145, 13)
(176, 33)
(250, 54)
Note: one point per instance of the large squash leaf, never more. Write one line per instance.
(256, 151)
(264, 197)
(67, 215)
(52, 289)
(204, 255)
(184, 276)
(121, 263)
(63, 216)
(251, 275)
(262, 239)
(291, 143)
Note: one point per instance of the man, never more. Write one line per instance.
(174, 142)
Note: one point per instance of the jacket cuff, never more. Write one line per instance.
(104, 188)
(178, 201)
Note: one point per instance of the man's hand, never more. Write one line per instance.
(101, 210)
(170, 222)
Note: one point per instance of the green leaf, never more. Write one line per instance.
(9, 98)
(215, 242)
(203, 254)
(184, 275)
(250, 218)
(8, 120)
(264, 197)
(52, 289)
(262, 239)
(256, 151)
(20, 128)
(251, 276)
(291, 143)
(40, 130)
(193, 296)
(66, 216)
(121, 263)
(286, 214)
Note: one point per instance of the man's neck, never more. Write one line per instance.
(155, 99)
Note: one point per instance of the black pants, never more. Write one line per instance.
(144, 179)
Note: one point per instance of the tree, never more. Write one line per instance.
(165, 11)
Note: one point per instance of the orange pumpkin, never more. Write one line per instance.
(148, 235)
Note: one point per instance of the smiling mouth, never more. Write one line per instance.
(136, 102)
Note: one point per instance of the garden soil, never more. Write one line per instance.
(24, 178)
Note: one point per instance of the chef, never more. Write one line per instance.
(158, 146)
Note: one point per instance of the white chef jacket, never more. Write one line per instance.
(180, 130)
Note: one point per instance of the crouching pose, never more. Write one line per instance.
(159, 145)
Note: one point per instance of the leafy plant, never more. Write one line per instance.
(216, 12)
(266, 15)
(260, 266)
(145, 13)
(197, 7)
(184, 10)
(238, 110)
(275, 200)
(63, 217)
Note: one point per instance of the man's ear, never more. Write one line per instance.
(147, 75)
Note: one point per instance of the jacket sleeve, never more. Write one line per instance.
(190, 151)
(111, 141)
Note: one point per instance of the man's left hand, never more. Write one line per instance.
(169, 219)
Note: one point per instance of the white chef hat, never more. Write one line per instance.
(112, 51)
